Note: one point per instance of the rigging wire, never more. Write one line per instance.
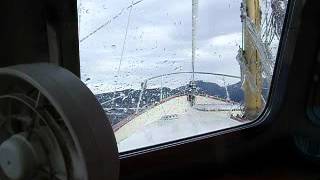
(109, 21)
(123, 47)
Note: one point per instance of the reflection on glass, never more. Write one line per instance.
(167, 70)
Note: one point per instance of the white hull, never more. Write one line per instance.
(175, 119)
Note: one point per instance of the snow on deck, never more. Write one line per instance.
(173, 120)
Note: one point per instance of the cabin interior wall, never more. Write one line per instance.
(39, 31)
(23, 32)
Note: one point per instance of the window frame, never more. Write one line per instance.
(272, 106)
(215, 146)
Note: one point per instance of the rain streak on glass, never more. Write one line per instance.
(168, 70)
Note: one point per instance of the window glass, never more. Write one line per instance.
(166, 70)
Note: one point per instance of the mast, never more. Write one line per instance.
(252, 83)
(194, 28)
(191, 96)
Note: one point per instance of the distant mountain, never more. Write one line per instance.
(126, 105)
(212, 89)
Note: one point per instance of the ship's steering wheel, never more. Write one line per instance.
(52, 127)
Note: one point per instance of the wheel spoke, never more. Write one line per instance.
(35, 119)
(38, 100)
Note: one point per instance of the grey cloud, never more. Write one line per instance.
(159, 40)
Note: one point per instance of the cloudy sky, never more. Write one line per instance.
(158, 41)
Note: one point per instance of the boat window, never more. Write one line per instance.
(167, 70)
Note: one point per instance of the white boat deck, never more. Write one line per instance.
(172, 120)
